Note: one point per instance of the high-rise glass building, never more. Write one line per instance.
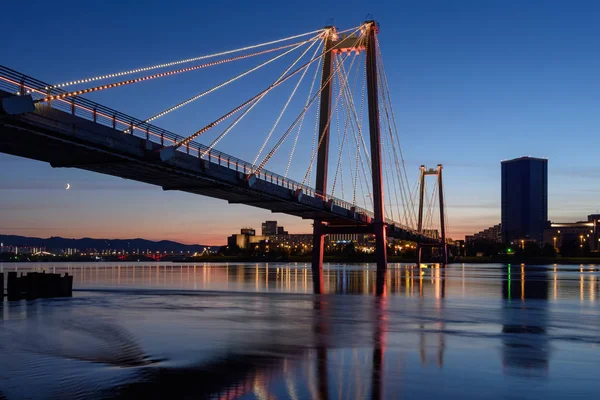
(524, 199)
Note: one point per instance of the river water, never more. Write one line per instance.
(256, 331)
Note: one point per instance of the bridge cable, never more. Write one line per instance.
(361, 113)
(431, 210)
(445, 212)
(246, 103)
(358, 156)
(353, 176)
(287, 103)
(314, 153)
(348, 120)
(415, 192)
(385, 158)
(173, 63)
(362, 102)
(341, 140)
(364, 148)
(400, 202)
(222, 84)
(386, 126)
(395, 125)
(336, 83)
(315, 134)
(390, 149)
(256, 101)
(315, 150)
(162, 74)
(345, 138)
(312, 85)
(396, 178)
(285, 135)
(360, 169)
(358, 125)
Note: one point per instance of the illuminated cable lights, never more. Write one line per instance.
(314, 154)
(246, 103)
(173, 63)
(162, 74)
(198, 96)
(400, 163)
(312, 85)
(286, 104)
(254, 100)
(339, 170)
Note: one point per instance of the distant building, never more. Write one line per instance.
(492, 234)
(269, 228)
(459, 247)
(21, 249)
(524, 199)
(358, 238)
(581, 232)
(244, 239)
(281, 231)
(294, 243)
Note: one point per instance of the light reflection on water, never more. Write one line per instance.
(256, 331)
(460, 280)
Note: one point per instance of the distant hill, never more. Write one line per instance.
(57, 242)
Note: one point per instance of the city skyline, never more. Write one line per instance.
(463, 100)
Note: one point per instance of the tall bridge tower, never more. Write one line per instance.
(443, 246)
(333, 44)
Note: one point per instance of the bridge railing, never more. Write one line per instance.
(15, 82)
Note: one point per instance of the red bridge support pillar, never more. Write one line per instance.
(379, 228)
(322, 157)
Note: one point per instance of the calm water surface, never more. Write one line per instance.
(256, 331)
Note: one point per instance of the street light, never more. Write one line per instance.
(554, 239)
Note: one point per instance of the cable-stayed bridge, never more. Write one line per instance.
(344, 113)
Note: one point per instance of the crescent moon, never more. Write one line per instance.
(68, 186)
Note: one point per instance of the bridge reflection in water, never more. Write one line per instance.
(407, 279)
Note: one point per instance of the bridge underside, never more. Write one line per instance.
(69, 141)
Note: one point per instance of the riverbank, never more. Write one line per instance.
(334, 258)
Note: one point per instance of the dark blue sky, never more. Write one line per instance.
(473, 82)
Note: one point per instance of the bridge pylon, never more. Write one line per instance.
(333, 43)
(443, 245)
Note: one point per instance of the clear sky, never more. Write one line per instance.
(473, 82)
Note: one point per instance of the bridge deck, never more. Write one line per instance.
(70, 140)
